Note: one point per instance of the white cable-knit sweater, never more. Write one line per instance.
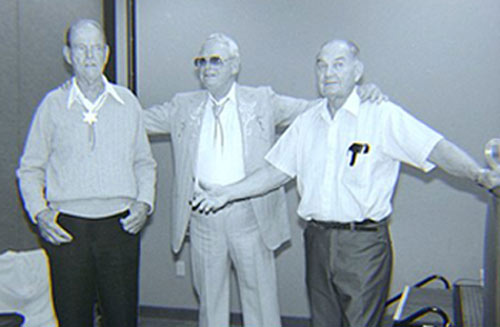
(61, 169)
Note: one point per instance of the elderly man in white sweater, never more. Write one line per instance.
(87, 179)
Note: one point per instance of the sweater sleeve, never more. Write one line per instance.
(33, 163)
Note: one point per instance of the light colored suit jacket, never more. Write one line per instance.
(260, 112)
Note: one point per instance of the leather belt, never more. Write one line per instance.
(122, 214)
(366, 225)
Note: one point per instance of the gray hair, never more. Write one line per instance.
(353, 47)
(80, 23)
(230, 44)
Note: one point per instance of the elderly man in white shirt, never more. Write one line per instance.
(346, 156)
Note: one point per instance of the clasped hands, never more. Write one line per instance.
(208, 198)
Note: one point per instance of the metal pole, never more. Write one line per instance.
(492, 263)
(131, 46)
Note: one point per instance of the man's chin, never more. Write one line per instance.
(209, 80)
(210, 83)
(330, 92)
(92, 77)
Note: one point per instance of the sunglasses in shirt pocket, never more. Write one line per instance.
(358, 162)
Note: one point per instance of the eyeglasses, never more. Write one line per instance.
(215, 61)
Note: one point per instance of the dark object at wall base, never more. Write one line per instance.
(11, 320)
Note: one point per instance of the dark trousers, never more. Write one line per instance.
(100, 264)
(348, 275)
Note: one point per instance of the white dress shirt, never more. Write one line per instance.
(333, 186)
(220, 153)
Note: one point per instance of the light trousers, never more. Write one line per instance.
(232, 237)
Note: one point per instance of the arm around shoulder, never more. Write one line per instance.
(287, 108)
(157, 118)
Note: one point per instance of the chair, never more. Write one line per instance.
(419, 306)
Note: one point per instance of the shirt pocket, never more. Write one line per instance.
(359, 161)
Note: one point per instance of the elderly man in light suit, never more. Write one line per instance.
(219, 135)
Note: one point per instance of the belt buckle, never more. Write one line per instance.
(352, 226)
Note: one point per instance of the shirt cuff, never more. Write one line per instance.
(149, 203)
(427, 165)
(34, 215)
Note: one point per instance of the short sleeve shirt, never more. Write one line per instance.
(347, 167)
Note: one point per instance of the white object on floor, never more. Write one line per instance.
(25, 287)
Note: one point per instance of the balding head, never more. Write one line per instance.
(82, 23)
(351, 47)
(338, 69)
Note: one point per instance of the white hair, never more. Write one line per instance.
(230, 44)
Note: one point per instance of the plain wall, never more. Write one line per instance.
(31, 38)
(439, 59)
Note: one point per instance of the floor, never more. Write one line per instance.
(162, 322)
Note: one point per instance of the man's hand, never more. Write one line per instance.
(208, 198)
(50, 230)
(137, 218)
(489, 179)
(372, 93)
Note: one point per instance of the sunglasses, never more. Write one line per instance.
(215, 61)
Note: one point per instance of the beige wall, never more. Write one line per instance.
(437, 58)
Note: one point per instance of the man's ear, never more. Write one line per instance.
(359, 70)
(67, 54)
(236, 66)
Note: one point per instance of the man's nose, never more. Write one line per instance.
(89, 53)
(211, 65)
(331, 71)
